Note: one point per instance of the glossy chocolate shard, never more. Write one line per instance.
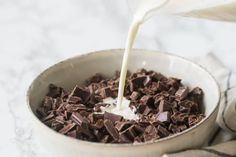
(129, 133)
(60, 119)
(147, 100)
(99, 124)
(196, 95)
(120, 126)
(138, 81)
(164, 106)
(150, 133)
(106, 92)
(146, 111)
(163, 132)
(48, 117)
(173, 82)
(72, 133)
(124, 138)
(192, 106)
(56, 126)
(80, 92)
(67, 128)
(134, 96)
(75, 107)
(105, 139)
(147, 81)
(74, 100)
(182, 93)
(194, 119)
(97, 106)
(111, 129)
(113, 117)
(163, 117)
(80, 120)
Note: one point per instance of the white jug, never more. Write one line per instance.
(221, 10)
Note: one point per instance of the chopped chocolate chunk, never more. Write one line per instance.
(72, 134)
(173, 82)
(134, 96)
(141, 108)
(150, 133)
(105, 139)
(80, 120)
(192, 106)
(48, 117)
(60, 119)
(124, 138)
(196, 95)
(147, 100)
(75, 107)
(194, 119)
(112, 117)
(74, 100)
(99, 124)
(111, 129)
(97, 107)
(66, 128)
(163, 132)
(137, 82)
(164, 106)
(120, 126)
(129, 133)
(147, 81)
(181, 93)
(56, 126)
(106, 92)
(80, 92)
(146, 111)
(163, 117)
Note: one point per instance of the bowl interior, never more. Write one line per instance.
(76, 70)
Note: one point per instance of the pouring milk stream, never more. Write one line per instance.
(224, 10)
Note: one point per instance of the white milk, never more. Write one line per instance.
(137, 21)
(125, 111)
(212, 9)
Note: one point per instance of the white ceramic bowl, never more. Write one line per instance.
(76, 70)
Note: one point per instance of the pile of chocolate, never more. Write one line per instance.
(164, 107)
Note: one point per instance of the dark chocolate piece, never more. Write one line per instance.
(111, 129)
(80, 120)
(182, 93)
(66, 128)
(163, 117)
(106, 92)
(80, 92)
(112, 117)
(134, 96)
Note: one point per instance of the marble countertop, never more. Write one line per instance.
(35, 34)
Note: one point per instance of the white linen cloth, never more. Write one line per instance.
(222, 143)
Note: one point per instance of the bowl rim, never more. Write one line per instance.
(121, 50)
